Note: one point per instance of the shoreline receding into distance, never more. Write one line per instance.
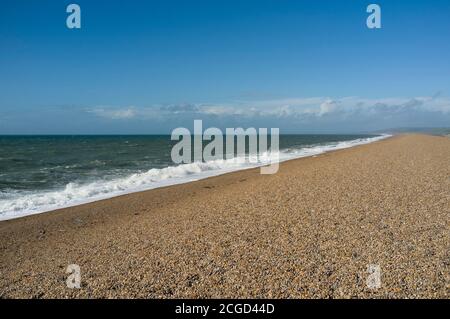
(73, 194)
(310, 231)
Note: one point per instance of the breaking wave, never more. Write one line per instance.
(17, 204)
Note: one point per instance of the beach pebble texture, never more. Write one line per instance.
(372, 221)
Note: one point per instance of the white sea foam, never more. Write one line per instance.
(22, 204)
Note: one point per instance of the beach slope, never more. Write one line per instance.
(310, 231)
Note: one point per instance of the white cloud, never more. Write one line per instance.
(115, 113)
(328, 106)
(292, 108)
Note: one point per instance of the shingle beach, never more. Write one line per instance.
(309, 231)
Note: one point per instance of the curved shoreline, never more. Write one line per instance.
(309, 231)
(174, 180)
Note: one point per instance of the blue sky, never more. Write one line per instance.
(150, 66)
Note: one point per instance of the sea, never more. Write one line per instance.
(44, 173)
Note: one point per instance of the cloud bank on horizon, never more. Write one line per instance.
(292, 115)
(315, 114)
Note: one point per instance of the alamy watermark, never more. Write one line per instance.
(374, 19)
(373, 280)
(73, 21)
(74, 279)
(258, 151)
(221, 146)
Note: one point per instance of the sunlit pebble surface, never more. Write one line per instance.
(309, 231)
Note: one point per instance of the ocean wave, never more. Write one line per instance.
(18, 204)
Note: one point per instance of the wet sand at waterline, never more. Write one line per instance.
(309, 231)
